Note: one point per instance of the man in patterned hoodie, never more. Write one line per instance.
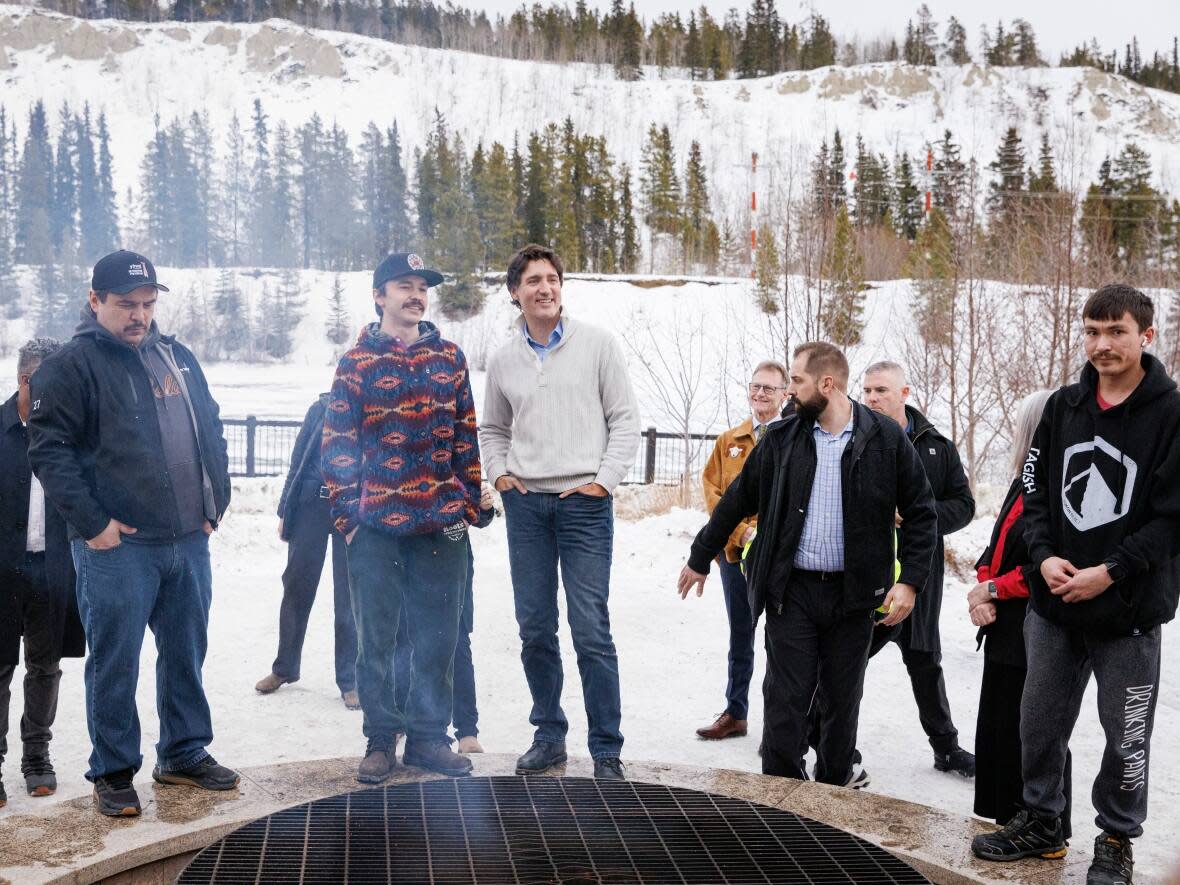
(401, 462)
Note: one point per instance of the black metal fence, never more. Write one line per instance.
(262, 447)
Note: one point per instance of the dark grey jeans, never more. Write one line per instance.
(42, 673)
(1127, 670)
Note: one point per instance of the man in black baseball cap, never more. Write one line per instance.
(396, 267)
(125, 438)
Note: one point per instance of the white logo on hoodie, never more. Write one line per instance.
(1096, 484)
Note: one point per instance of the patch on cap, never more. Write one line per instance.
(414, 261)
(138, 269)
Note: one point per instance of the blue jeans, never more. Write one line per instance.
(418, 578)
(741, 639)
(465, 713)
(121, 591)
(577, 534)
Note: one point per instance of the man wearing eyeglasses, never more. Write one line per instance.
(767, 394)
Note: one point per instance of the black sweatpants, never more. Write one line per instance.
(813, 643)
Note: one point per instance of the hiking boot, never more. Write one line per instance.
(859, 778)
(541, 756)
(469, 743)
(1113, 864)
(206, 774)
(957, 760)
(380, 758)
(3, 795)
(1023, 836)
(724, 726)
(40, 778)
(351, 699)
(114, 795)
(271, 682)
(609, 768)
(436, 756)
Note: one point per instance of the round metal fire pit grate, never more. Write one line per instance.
(540, 830)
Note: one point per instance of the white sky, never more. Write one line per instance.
(1060, 24)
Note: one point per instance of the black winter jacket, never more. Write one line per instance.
(956, 508)
(880, 475)
(95, 441)
(304, 477)
(1105, 485)
(67, 637)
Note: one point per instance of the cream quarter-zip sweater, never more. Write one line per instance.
(562, 422)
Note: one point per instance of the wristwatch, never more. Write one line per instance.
(1115, 570)
(992, 591)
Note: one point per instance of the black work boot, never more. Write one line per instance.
(957, 760)
(1023, 836)
(541, 756)
(1113, 863)
(436, 756)
(609, 768)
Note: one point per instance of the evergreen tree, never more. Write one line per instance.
(956, 42)
(628, 232)
(107, 222)
(232, 317)
(661, 184)
(1024, 40)
(1043, 180)
(768, 269)
(842, 315)
(870, 190)
(185, 212)
(63, 212)
(401, 230)
(90, 234)
(338, 326)
(500, 231)
(931, 265)
(1006, 191)
(907, 210)
(261, 206)
(236, 194)
(34, 192)
(281, 316)
(629, 45)
(836, 193)
(950, 176)
(311, 183)
(282, 215)
(203, 158)
(156, 198)
(694, 54)
(697, 214)
(536, 190)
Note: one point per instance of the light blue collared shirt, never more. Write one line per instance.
(821, 545)
(542, 350)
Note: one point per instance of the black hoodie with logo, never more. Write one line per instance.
(103, 446)
(1104, 485)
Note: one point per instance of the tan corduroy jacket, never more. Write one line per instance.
(722, 468)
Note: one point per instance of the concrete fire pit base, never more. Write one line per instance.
(71, 843)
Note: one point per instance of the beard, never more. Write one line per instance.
(811, 408)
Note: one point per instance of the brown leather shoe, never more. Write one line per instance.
(725, 726)
(270, 682)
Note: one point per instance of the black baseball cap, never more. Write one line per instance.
(404, 264)
(122, 272)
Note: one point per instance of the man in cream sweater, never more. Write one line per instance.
(560, 430)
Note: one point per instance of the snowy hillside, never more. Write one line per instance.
(138, 71)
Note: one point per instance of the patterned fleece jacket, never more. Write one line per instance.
(400, 452)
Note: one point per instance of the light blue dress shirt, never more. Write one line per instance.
(542, 350)
(821, 546)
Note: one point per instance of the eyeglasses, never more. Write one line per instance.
(768, 388)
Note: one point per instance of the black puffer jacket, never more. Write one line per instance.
(95, 441)
(880, 476)
(1105, 485)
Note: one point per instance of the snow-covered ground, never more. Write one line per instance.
(672, 660)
